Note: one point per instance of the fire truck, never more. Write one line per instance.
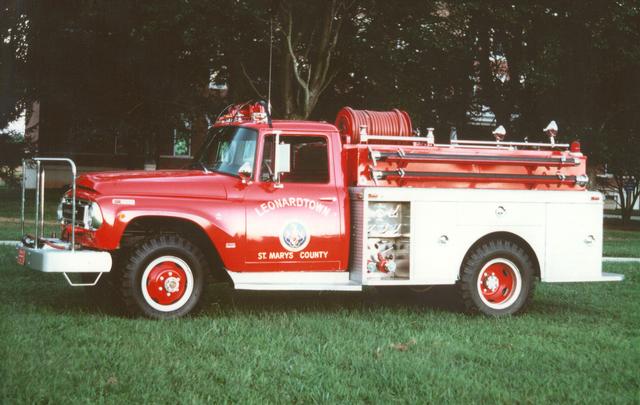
(300, 205)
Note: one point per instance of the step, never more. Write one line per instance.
(348, 286)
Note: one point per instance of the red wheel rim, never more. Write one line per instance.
(166, 283)
(499, 283)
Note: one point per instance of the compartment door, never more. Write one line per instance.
(434, 242)
(574, 242)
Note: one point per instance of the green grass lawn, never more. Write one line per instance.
(10, 207)
(577, 343)
(621, 243)
(10, 202)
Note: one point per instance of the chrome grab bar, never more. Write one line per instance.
(465, 144)
(522, 144)
(40, 180)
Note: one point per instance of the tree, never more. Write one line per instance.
(102, 69)
(14, 27)
(134, 69)
(310, 51)
(12, 150)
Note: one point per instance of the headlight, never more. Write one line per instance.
(95, 215)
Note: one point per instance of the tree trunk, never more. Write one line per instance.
(308, 54)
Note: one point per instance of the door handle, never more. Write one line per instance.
(327, 199)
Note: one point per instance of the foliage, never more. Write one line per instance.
(12, 150)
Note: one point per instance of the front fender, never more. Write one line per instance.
(221, 221)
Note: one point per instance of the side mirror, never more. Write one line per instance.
(282, 159)
(245, 173)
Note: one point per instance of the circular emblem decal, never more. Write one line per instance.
(294, 237)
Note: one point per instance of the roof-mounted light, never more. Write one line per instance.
(247, 112)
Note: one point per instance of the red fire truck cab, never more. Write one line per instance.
(299, 205)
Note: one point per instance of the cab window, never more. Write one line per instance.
(309, 159)
(227, 149)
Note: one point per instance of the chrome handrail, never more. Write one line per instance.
(522, 144)
(364, 137)
(40, 180)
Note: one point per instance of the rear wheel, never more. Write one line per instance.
(497, 278)
(163, 278)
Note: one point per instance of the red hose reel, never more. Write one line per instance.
(392, 123)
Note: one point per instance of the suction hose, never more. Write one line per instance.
(393, 123)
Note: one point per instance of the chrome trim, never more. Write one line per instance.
(527, 144)
(40, 180)
(37, 202)
(48, 259)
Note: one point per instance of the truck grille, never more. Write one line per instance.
(82, 212)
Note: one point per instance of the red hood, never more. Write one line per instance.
(169, 183)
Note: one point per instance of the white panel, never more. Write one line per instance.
(435, 243)
(501, 214)
(574, 242)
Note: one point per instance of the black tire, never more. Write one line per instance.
(506, 293)
(172, 267)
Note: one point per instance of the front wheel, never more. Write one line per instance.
(163, 277)
(497, 278)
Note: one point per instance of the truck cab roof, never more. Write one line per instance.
(288, 125)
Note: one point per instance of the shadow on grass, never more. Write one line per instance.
(618, 224)
(222, 300)
(397, 298)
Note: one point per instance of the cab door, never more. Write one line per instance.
(294, 224)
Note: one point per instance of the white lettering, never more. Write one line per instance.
(281, 255)
(310, 204)
(314, 255)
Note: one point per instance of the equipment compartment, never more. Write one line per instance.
(387, 246)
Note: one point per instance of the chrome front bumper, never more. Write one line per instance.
(52, 260)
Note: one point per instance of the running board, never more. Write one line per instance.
(294, 281)
(350, 286)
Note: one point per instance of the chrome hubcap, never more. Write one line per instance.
(172, 284)
(492, 282)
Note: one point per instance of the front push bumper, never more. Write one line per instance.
(50, 259)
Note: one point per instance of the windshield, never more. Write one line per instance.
(227, 149)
